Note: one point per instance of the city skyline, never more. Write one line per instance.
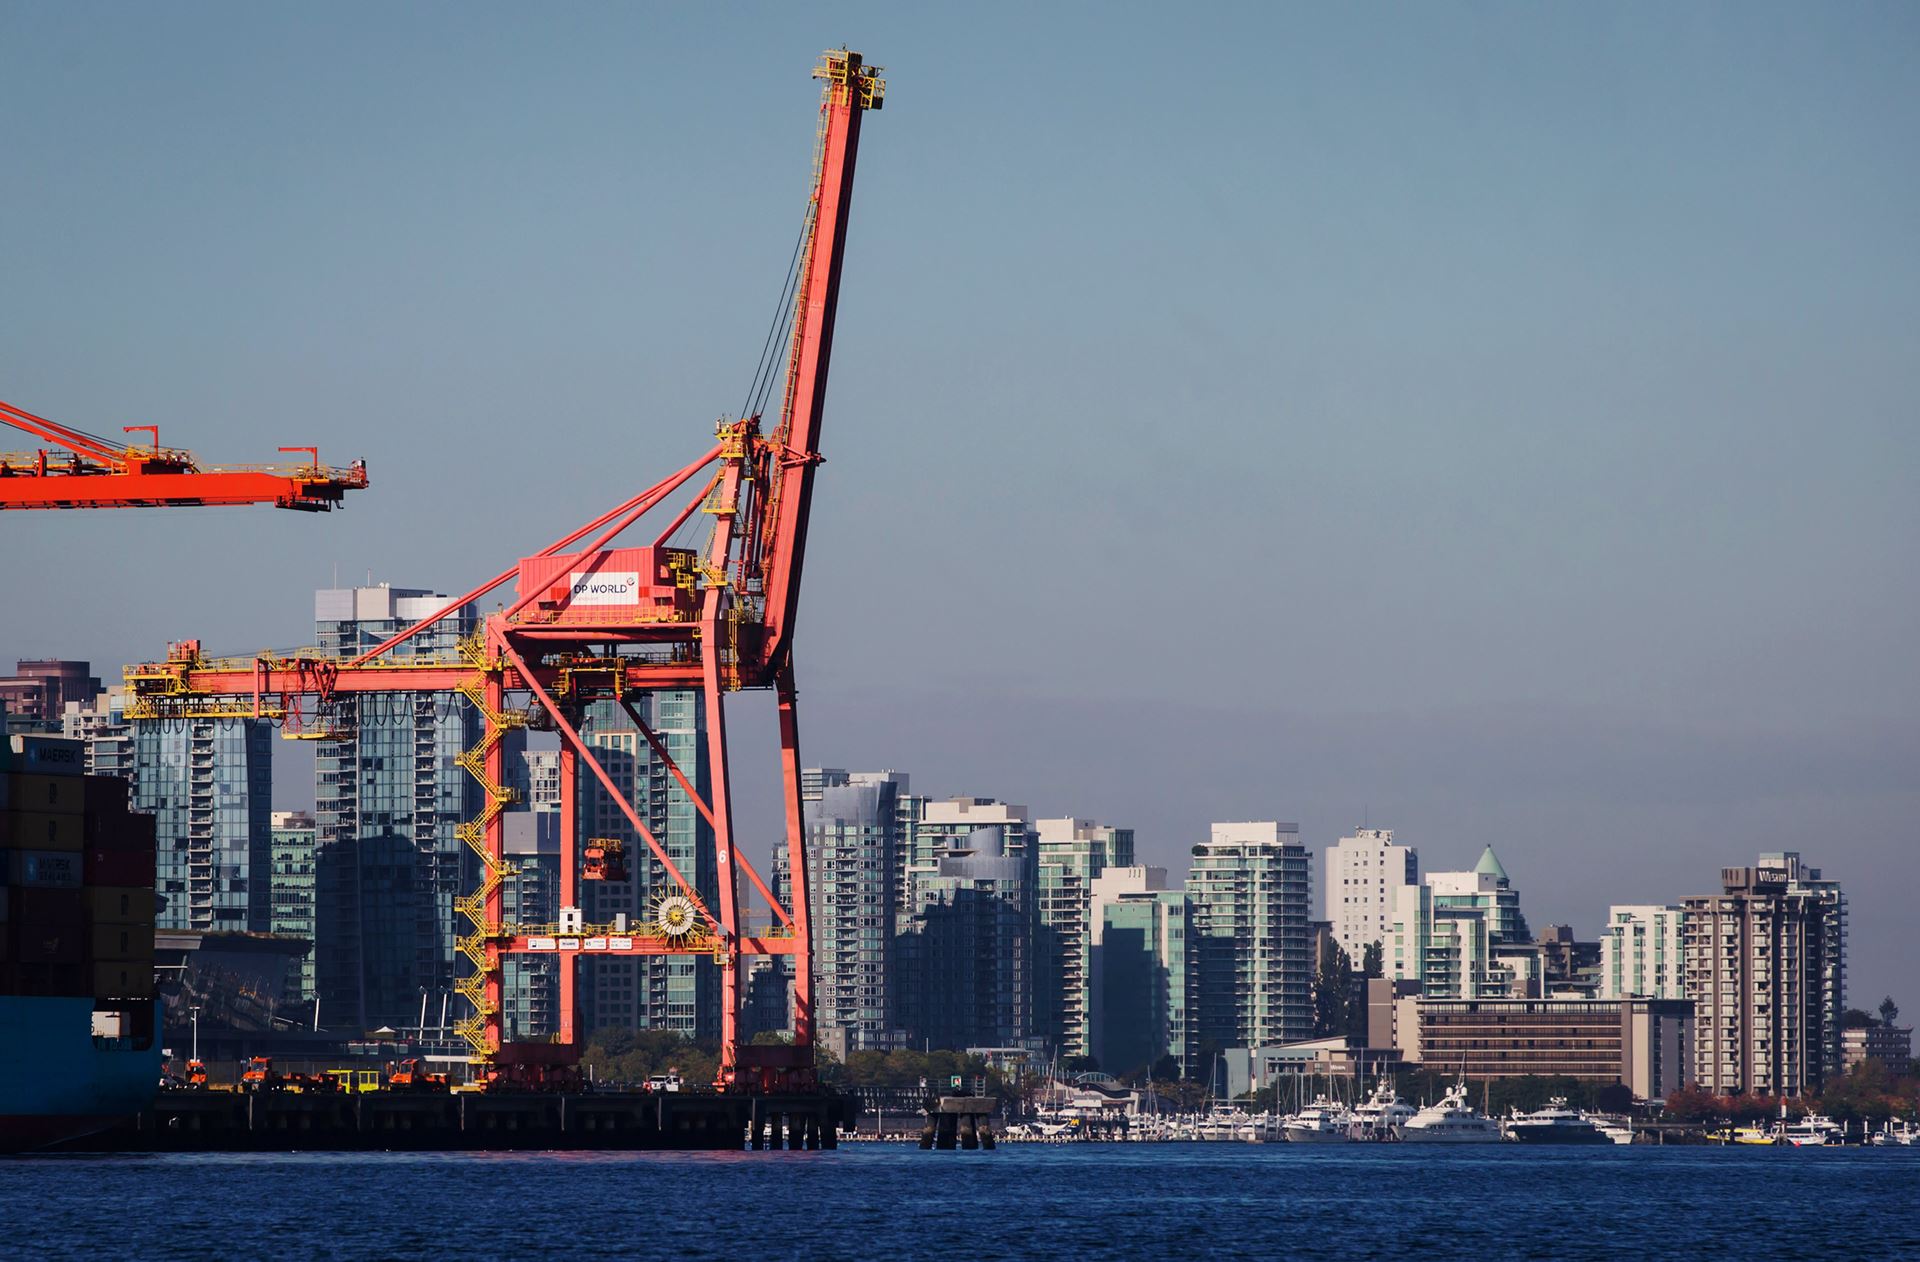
(1545, 373)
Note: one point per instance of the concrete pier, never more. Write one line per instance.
(958, 1121)
(231, 1121)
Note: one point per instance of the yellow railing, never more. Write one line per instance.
(495, 724)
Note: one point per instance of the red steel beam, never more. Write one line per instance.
(849, 93)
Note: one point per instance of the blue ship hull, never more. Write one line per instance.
(57, 1081)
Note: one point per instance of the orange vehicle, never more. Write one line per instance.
(411, 1075)
(604, 859)
(260, 1075)
(197, 1074)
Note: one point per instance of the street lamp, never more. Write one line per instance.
(193, 1010)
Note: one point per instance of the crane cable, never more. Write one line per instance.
(782, 317)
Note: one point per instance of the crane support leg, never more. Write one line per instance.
(797, 890)
(568, 963)
(713, 693)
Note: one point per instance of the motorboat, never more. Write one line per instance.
(1322, 1122)
(1620, 1131)
(1451, 1121)
(1382, 1116)
(1754, 1135)
(1897, 1135)
(1555, 1124)
(1812, 1131)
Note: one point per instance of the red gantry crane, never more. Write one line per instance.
(594, 618)
(82, 470)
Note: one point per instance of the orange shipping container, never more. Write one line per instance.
(56, 795)
(37, 830)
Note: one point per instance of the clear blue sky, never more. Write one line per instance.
(1497, 422)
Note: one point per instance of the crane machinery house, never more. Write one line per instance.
(613, 585)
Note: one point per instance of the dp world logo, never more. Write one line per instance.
(608, 587)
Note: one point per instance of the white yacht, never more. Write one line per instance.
(1812, 1131)
(1383, 1115)
(1620, 1131)
(1222, 1124)
(1555, 1124)
(1322, 1122)
(1451, 1121)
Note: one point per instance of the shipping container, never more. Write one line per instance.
(41, 978)
(118, 867)
(123, 979)
(53, 869)
(121, 829)
(47, 943)
(105, 795)
(43, 755)
(121, 942)
(48, 905)
(57, 795)
(109, 904)
(37, 830)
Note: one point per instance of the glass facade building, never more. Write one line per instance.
(651, 992)
(857, 832)
(1139, 970)
(388, 796)
(530, 994)
(209, 783)
(1071, 854)
(291, 893)
(968, 958)
(1249, 889)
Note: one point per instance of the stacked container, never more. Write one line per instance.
(76, 901)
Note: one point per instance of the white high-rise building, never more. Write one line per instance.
(1250, 888)
(1448, 950)
(1486, 890)
(1137, 963)
(1766, 970)
(1641, 953)
(1365, 873)
(1072, 854)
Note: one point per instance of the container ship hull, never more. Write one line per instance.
(58, 1081)
(79, 1046)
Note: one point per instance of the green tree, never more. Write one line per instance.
(1332, 990)
(1373, 960)
(1889, 1011)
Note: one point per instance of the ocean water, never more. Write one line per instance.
(1093, 1201)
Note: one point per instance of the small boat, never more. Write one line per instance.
(1754, 1135)
(1451, 1121)
(1896, 1135)
(1322, 1122)
(1555, 1124)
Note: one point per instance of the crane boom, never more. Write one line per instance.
(82, 470)
(853, 87)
